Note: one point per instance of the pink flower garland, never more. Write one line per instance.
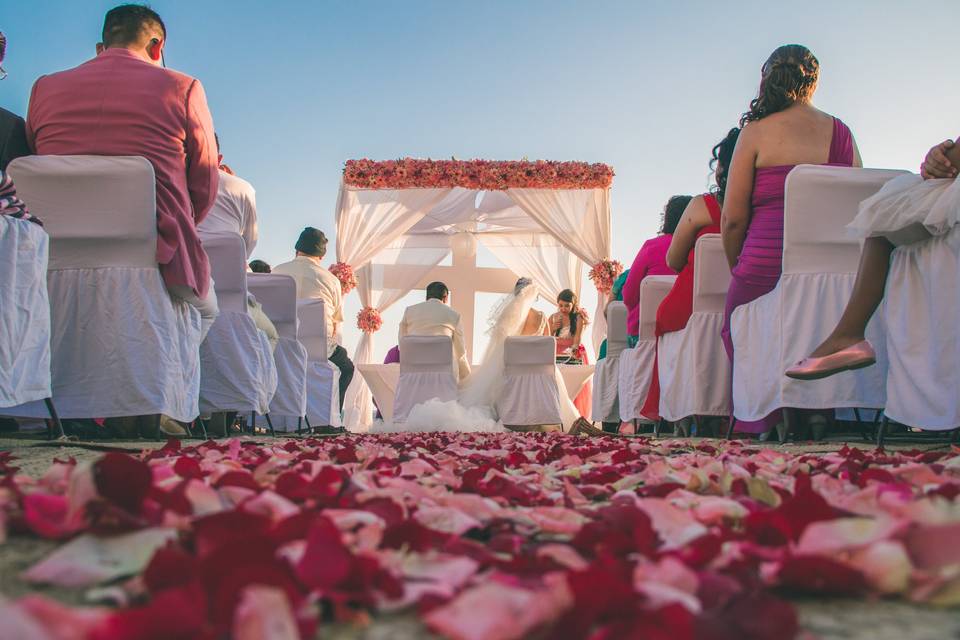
(369, 320)
(490, 175)
(604, 273)
(344, 274)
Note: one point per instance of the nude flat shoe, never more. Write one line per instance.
(856, 356)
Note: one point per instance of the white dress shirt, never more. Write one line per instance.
(233, 211)
(434, 318)
(315, 282)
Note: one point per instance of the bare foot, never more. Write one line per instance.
(833, 344)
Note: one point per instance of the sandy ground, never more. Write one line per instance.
(829, 619)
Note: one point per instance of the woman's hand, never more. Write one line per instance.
(583, 315)
(936, 164)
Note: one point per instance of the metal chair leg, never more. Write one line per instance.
(253, 423)
(203, 427)
(270, 424)
(306, 420)
(730, 426)
(882, 431)
(658, 427)
(698, 426)
(789, 421)
(57, 432)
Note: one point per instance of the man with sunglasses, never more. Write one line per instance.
(124, 102)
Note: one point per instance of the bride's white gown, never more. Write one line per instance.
(475, 409)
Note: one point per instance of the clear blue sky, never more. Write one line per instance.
(296, 88)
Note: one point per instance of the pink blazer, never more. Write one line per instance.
(117, 104)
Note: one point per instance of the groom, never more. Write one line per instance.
(435, 318)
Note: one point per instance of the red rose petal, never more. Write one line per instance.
(122, 480)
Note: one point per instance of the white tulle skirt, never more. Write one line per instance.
(908, 209)
(436, 415)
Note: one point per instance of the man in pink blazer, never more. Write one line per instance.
(124, 103)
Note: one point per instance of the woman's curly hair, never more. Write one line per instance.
(722, 156)
(789, 75)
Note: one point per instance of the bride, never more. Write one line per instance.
(514, 315)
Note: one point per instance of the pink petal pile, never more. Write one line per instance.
(487, 175)
(492, 536)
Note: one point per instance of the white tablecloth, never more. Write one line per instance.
(383, 378)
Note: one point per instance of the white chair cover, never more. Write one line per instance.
(237, 371)
(24, 313)
(277, 294)
(530, 393)
(120, 346)
(606, 406)
(636, 364)
(692, 363)
(426, 372)
(323, 378)
(820, 259)
(921, 307)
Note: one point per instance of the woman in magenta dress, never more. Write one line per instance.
(702, 216)
(781, 130)
(651, 260)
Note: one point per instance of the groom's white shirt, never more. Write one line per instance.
(434, 318)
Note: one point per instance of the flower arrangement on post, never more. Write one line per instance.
(369, 320)
(344, 274)
(604, 273)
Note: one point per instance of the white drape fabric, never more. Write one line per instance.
(120, 346)
(531, 393)
(24, 313)
(636, 364)
(538, 256)
(426, 373)
(408, 260)
(578, 218)
(820, 260)
(606, 393)
(692, 364)
(921, 305)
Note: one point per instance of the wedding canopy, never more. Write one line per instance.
(397, 220)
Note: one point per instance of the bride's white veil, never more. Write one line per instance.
(506, 319)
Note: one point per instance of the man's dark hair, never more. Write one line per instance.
(126, 24)
(259, 266)
(437, 291)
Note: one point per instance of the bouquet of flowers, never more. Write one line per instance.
(369, 320)
(344, 274)
(604, 273)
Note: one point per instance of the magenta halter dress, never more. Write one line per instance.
(759, 265)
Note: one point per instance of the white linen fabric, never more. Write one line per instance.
(408, 259)
(820, 259)
(580, 220)
(538, 256)
(24, 313)
(434, 318)
(234, 211)
(636, 364)
(120, 345)
(278, 296)
(315, 282)
(908, 209)
(606, 393)
(692, 364)
(531, 394)
(323, 378)
(920, 308)
(237, 370)
(426, 372)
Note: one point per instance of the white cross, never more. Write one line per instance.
(464, 279)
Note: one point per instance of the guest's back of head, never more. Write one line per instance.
(672, 212)
(789, 76)
(312, 242)
(437, 291)
(131, 24)
(259, 266)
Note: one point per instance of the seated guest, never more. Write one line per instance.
(567, 326)
(315, 282)
(781, 130)
(393, 355)
(124, 103)
(651, 260)
(435, 318)
(700, 217)
(259, 266)
(13, 137)
(908, 208)
(235, 208)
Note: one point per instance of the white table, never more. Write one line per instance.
(383, 378)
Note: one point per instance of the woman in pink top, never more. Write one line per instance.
(651, 260)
